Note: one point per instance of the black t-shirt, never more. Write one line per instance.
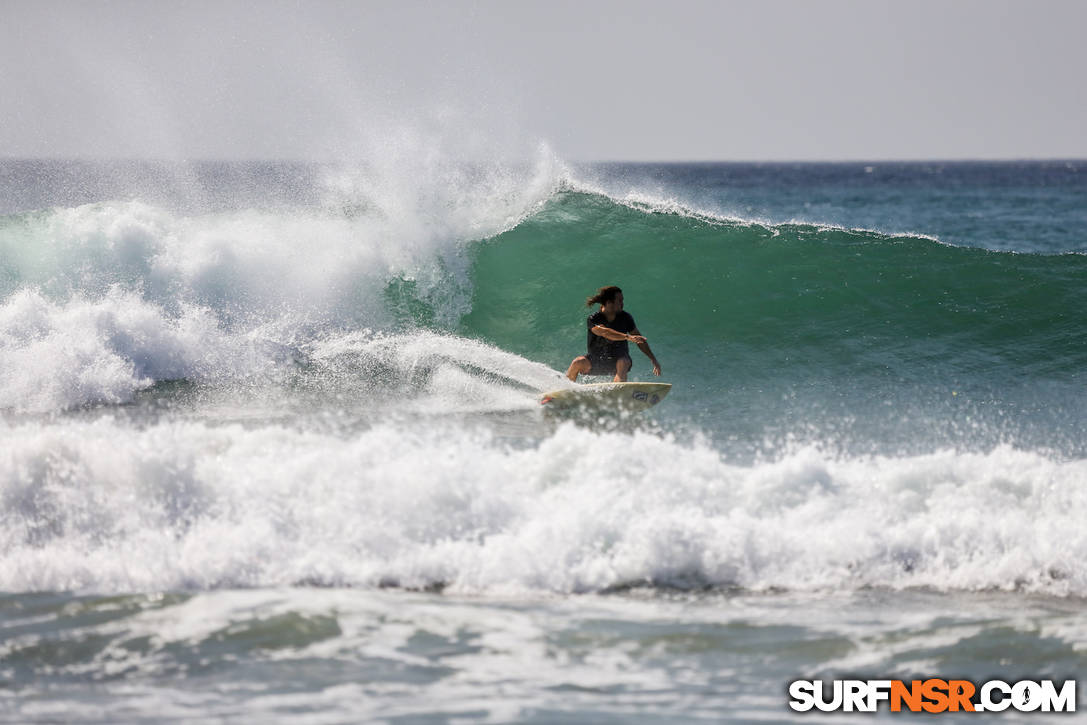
(602, 347)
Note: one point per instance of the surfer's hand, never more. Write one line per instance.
(656, 369)
(636, 339)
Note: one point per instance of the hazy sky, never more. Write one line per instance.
(629, 80)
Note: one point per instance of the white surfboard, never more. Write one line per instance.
(599, 396)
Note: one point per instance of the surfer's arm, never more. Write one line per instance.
(615, 335)
(643, 345)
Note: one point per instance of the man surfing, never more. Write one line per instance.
(610, 329)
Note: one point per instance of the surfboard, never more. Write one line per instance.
(600, 396)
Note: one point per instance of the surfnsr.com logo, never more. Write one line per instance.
(933, 696)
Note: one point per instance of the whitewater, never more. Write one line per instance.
(271, 446)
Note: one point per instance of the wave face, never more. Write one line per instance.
(792, 294)
(839, 321)
(341, 383)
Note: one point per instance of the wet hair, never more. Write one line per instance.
(604, 294)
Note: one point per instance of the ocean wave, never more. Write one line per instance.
(504, 255)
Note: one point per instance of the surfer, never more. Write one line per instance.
(610, 329)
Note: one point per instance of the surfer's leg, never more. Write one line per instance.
(579, 366)
(622, 367)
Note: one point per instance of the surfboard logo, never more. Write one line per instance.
(638, 395)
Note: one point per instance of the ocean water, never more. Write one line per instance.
(271, 447)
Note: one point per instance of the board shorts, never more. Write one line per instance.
(605, 365)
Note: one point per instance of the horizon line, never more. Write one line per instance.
(656, 161)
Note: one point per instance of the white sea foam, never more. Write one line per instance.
(54, 355)
(435, 373)
(102, 300)
(105, 507)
